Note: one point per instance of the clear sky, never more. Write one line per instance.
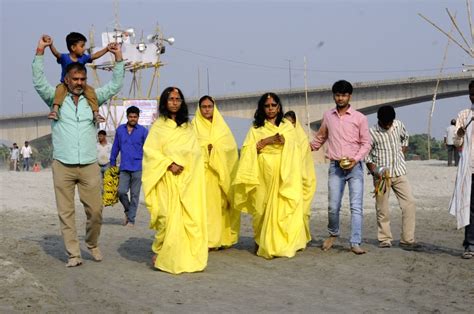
(245, 45)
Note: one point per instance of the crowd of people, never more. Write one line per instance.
(196, 185)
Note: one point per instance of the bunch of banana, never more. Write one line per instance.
(111, 182)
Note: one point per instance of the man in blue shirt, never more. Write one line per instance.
(129, 140)
(74, 149)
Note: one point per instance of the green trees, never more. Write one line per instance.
(418, 148)
(4, 155)
(43, 150)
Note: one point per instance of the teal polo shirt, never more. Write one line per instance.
(74, 134)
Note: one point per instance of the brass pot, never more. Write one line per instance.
(345, 163)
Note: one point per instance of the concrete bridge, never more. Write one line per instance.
(367, 97)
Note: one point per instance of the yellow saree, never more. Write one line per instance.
(268, 185)
(220, 164)
(176, 203)
(309, 176)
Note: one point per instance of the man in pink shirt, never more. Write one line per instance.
(347, 133)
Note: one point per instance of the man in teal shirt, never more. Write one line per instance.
(74, 149)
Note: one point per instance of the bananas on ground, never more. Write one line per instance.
(111, 182)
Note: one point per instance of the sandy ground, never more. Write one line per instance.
(33, 276)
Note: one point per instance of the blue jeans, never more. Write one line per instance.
(103, 168)
(337, 178)
(130, 180)
(26, 164)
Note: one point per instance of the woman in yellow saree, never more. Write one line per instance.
(174, 188)
(268, 184)
(220, 155)
(309, 176)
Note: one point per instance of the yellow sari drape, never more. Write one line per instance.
(223, 221)
(309, 176)
(176, 203)
(269, 186)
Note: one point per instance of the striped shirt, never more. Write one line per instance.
(387, 148)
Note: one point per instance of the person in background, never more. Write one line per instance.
(129, 140)
(453, 153)
(36, 167)
(26, 154)
(103, 151)
(15, 157)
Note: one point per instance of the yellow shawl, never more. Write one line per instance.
(309, 176)
(176, 203)
(269, 186)
(223, 222)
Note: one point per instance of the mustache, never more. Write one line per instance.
(77, 91)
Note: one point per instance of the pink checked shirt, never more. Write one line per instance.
(347, 135)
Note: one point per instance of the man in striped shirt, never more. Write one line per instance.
(389, 142)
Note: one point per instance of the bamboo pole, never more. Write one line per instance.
(469, 16)
(306, 97)
(455, 24)
(467, 50)
(152, 83)
(435, 93)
